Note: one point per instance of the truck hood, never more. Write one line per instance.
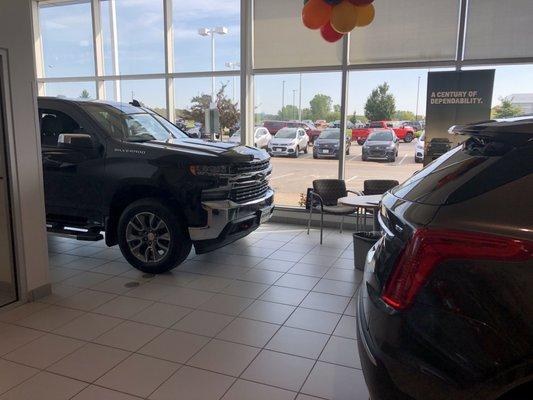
(203, 151)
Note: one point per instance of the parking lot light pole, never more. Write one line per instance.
(293, 102)
(417, 98)
(220, 30)
(283, 101)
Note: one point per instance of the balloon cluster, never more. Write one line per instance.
(335, 18)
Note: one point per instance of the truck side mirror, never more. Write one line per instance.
(75, 141)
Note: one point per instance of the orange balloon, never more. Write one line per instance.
(365, 15)
(316, 13)
(344, 17)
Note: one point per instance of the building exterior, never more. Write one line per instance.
(524, 101)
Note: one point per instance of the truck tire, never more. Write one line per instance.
(306, 149)
(408, 138)
(151, 237)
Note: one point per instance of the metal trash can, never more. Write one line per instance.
(362, 243)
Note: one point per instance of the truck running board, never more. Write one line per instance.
(90, 235)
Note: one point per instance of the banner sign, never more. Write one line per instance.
(454, 98)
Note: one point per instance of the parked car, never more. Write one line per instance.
(445, 309)
(262, 137)
(419, 148)
(274, 126)
(438, 146)
(327, 144)
(124, 170)
(382, 144)
(321, 124)
(416, 125)
(289, 142)
(405, 133)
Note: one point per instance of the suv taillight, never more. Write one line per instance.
(428, 248)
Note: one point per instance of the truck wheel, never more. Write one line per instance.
(306, 150)
(151, 237)
(408, 138)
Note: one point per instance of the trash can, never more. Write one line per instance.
(362, 243)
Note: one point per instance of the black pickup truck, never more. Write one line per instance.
(123, 170)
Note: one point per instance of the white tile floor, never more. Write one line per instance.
(269, 317)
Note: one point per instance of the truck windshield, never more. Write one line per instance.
(138, 127)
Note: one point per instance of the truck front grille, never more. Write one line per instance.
(254, 166)
(247, 192)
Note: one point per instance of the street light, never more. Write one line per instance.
(233, 65)
(221, 30)
(417, 97)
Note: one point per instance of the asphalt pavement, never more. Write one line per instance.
(292, 176)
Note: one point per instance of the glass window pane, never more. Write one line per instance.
(193, 23)
(66, 31)
(277, 104)
(193, 96)
(408, 30)
(150, 92)
(281, 40)
(407, 88)
(71, 90)
(139, 36)
(499, 29)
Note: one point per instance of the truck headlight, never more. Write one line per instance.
(209, 170)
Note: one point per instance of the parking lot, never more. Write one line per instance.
(292, 176)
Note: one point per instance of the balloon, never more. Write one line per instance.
(329, 34)
(316, 13)
(334, 2)
(365, 15)
(344, 17)
(361, 2)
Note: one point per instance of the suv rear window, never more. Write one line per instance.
(467, 172)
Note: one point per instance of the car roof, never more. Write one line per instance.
(124, 108)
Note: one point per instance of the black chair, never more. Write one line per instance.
(378, 186)
(374, 187)
(323, 197)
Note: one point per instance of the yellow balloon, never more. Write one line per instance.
(344, 17)
(365, 15)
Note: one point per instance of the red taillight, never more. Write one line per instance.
(428, 248)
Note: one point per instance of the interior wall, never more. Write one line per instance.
(16, 37)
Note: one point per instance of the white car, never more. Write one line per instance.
(262, 137)
(289, 142)
(419, 149)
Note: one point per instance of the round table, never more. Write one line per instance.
(371, 202)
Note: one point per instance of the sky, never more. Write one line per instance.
(68, 51)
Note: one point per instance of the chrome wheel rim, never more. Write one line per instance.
(148, 237)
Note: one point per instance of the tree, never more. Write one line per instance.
(506, 109)
(288, 112)
(229, 115)
(85, 94)
(320, 106)
(405, 115)
(381, 104)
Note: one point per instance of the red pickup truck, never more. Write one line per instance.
(403, 132)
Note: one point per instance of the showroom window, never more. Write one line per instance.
(277, 103)
(193, 96)
(67, 39)
(136, 29)
(196, 24)
(150, 92)
(71, 90)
